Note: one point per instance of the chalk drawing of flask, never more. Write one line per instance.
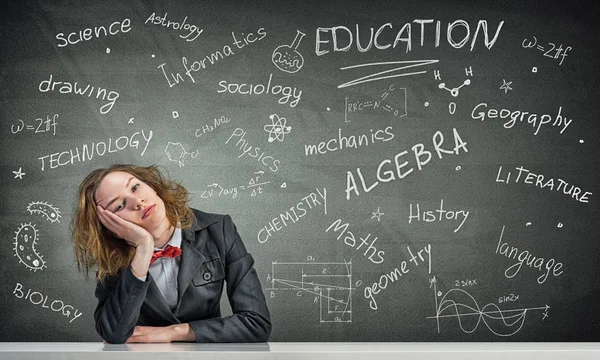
(287, 58)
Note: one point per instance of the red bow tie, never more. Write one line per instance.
(169, 252)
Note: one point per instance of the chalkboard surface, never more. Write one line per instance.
(400, 171)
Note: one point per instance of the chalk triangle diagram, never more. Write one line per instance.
(387, 74)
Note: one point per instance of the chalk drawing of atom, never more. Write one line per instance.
(277, 129)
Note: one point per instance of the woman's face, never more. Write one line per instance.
(131, 199)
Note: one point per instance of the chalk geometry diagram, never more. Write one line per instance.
(287, 58)
(459, 304)
(48, 211)
(330, 282)
(25, 239)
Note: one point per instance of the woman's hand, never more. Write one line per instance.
(133, 234)
(159, 334)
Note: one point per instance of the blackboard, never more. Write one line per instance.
(400, 171)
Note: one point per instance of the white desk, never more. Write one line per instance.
(302, 351)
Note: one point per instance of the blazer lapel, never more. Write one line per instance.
(156, 301)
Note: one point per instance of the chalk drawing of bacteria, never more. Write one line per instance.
(287, 58)
(48, 211)
(25, 239)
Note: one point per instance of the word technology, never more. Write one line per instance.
(37, 298)
(190, 29)
(421, 156)
(342, 38)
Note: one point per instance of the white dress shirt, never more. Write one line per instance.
(164, 271)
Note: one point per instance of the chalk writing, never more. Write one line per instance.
(480, 113)
(537, 180)
(350, 240)
(42, 125)
(86, 34)
(442, 215)
(287, 92)
(525, 257)
(242, 144)
(359, 106)
(396, 274)
(175, 25)
(419, 153)
(314, 199)
(350, 141)
(68, 88)
(72, 156)
(37, 298)
(553, 52)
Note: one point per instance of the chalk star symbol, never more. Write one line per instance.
(377, 214)
(506, 86)
(19, 174)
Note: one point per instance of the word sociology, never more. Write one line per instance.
(186, 28)
(421, 156)
(37, 298)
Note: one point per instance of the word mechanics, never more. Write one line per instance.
(68, 88)
(314, 199)
(42, 126)
(479, 113)
(190, 29)
(37, 298)
(242, 144)
(422, 157)
(344, 142)
(213, 58)
(454, 31)
(72, 156)
(86, 34)
(527, 258)
(396, 274)
(538, 181)
(350, 240)
(250, 89)
(442, 214)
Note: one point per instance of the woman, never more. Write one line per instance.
(161, 265)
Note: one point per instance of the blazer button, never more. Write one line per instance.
(207, 275)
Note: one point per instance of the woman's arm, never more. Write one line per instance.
(251, 320)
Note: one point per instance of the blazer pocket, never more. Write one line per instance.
(210, 271)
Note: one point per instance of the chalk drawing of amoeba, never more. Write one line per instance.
(25, 239)
(48, 211)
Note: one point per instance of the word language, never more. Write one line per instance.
(191, 30)
(396, 274)
(212, 58)
(99, 148)
(442, 215)
(68, 88)
(553, 52)
(89, 33)
(538, 181)
(479, 113)
(351, 141)
(342, 38)
(293, 214)
(524, 257)
(350, 240)
(37, 298)
(242, 144)
(42, 125)
(421, 156)
(287, 92)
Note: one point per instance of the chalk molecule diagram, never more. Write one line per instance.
(278, 128)
(27, 236)
(329, 282)
(459, 304)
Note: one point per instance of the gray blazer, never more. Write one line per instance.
(212, 252)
